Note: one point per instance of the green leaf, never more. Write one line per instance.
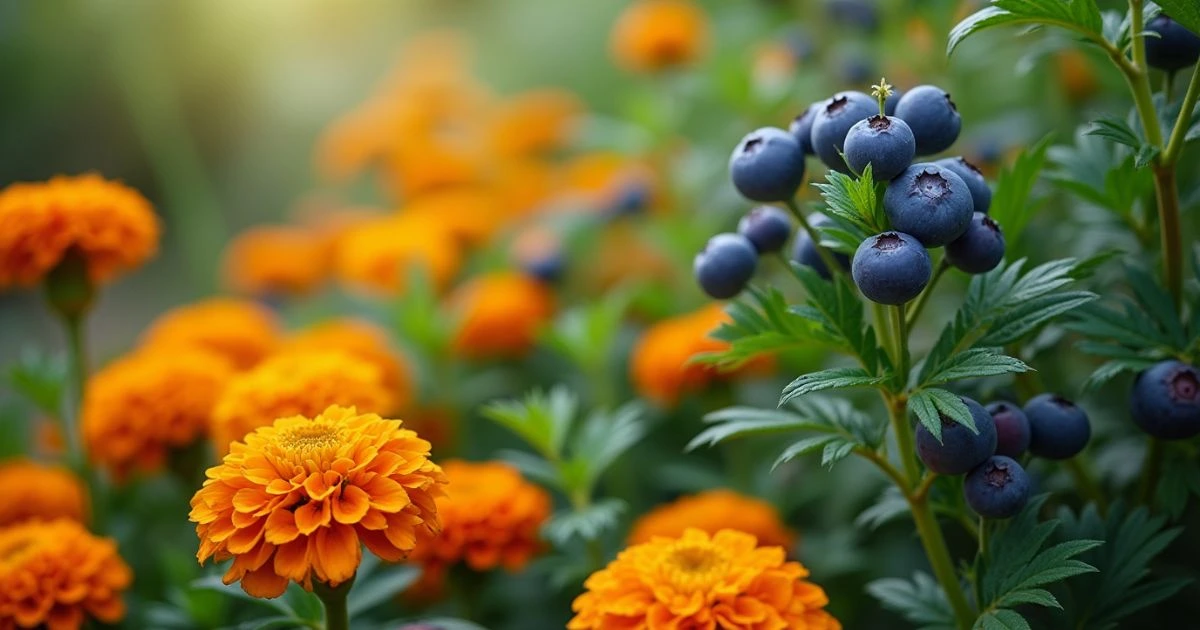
(1012, 206)
(920, 601)
(738, 422)
(1001, 620)
(1080, 16)
(1186, 12)
(974, 363)
(587, 524)
(932, 406)
(1115, 129)
(834, 378)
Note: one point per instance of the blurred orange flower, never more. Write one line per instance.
(654, 35)
(111, 225)
(29, 490)
(534, 122)
(712, 511)
(297, 500)
(700, 581)
(140, 407)
(296, 383)
(55, 575)
(379, 255)
(498, 315)
(367, 342)
(276, 260)
(240, 330)
(661, 369)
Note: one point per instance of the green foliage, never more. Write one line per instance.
(1080, 16)
(931, 405)
(41, 379)
(1012, 206)
(857, 202)
(920, 600)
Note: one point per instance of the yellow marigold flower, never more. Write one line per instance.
(110, 224)
(140, 407)
(297, 500)
(29, 490)
(379, 255)
(499, 315)
(661, 367)
(276, 260)
(296, 383)
(240, 330)
(490, 518)
(56, 575)
(712, 511)
(700, 581)
(654, 35)
(534, 122)
(366, 342)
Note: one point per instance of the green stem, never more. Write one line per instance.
(1153, 468)
(826, 256)
(923, 298)
(337, 614)
(1175, 145)
(940, 561)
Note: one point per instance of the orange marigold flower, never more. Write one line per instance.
(700, 581)
(140, 407)
(240, 330)
(499, 315)
(110, 224)
(490, 518)
(297, 500)
(296, 383)
(379, 255)
(56, 575)
(661, 367)
(711, 512)
(534, 122)
(276, 260)
(29, 490)
(653, 35)
(365, 341)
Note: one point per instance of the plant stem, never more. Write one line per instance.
(940, 561)
(923, 298)
(337, 614)
(826, 256)
(1153, 468)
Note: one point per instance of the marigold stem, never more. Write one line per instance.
(337, 614)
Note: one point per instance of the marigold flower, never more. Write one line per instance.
(29, 490)
(534, 122)
(700, 581)
(296, 383)
(661, 367)
(276, 260)
(110, 224)
(379, 255)
(55, 575)
(654, 35)
(297, 500)
(366, 342)
(240, 330)
(140, 407)
(712, 511)
(499, 315)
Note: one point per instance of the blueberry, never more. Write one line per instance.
(980, 248)
(725, 265)
(1166, 401)
(1012, 428)
(981, 193)
(804, 251)
(884, 142)
(767, 228)
(767, 165)
(891, 268)
(933, 117)
(889, 105)
(997, 488)
(1058, 429)
(929, 202)
(961, 449)
(1175, 48)
(801, 128)
(834, 119)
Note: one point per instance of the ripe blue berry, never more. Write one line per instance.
(804, 251)
(1166, 401)
(934, 119)
(767, 228)
(801, 128)
(1012, 428)
(891, 268)
(1058, 429)
(997, 488)
(884, 142)
(929, 202)
(725, 265)
(980, 248)
(767, 165)
(981, 193)
(834, 119)
(1175, 48)
(961, 449)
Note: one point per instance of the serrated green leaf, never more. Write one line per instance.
(834, 378)
(1080, 16)
(1002, 619)
(1115, 129)
(738, 422)
(920, 601)
(974, 363)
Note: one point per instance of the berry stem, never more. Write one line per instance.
(337, 614)
(919, 303)
(826, 256)
(1153, 468)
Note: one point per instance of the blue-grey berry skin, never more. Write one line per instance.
(725, 265)
(833, 121)
(891, 268)
(889, 105)
(1166, 401)
(767, 165)
(1058, 428)
(1175, 48)
(933, 117)
(884, 142)
(804, 251)
(801, 128)
(980, 248)
(767, 228)
(981, 193)
(997, 488)
(961, 449)
(1012, 428)
(929, 202)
